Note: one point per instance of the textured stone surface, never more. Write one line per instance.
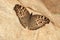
(11, 29)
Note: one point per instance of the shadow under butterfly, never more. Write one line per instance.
(33, 22)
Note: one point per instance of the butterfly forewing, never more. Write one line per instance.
(22, 14)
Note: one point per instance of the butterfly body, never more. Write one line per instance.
(31, 21)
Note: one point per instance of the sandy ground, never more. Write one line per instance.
(11, 29)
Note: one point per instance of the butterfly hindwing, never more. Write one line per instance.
(38, 21)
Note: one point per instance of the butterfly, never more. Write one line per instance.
(29, 20)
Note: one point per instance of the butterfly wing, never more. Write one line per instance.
(33, 22)
(22, 14)
(37, 21)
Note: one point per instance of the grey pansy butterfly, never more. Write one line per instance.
(33, 22)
